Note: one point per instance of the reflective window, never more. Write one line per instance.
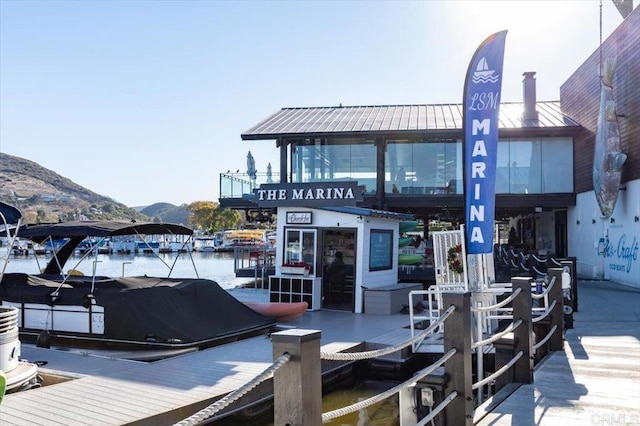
(524, 166)
(538, 166)
(423, 167)
(343, 159)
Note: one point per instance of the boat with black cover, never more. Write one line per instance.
(15, 374)
(141, 312)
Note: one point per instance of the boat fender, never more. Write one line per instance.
(44, 340)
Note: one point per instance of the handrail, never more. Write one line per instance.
(547, 337)
(546, 313)
(497, 373)
(497, 336)
(386, 394)
(220, 404)
(499, 304)
(357, 356)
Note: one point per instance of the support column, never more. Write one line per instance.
(457, 334)
(557, 313)
(523, 368)
(297, 385)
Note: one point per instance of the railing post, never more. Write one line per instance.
(297, 385)
(570, 262)
(457, 334)
(557, 313)
(523, 368)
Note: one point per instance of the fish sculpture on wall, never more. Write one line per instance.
(607, 158)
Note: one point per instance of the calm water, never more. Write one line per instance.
(214, 266)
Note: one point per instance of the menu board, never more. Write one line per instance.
(381, 249)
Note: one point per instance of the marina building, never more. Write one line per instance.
(408, 159)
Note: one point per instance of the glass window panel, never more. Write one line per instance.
(557, 165)
(524, 171)
(354, 159)
(423, 167)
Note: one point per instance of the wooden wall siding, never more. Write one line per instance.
(580, 100)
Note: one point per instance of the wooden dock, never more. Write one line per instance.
(108, 391)
(596, 379)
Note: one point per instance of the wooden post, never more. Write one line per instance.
(523, 368)
(557, 313)
(457, 334)
(297, 385)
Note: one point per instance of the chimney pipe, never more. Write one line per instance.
(529, 89)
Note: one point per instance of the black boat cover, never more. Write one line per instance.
(39, 233)
(143, 309)
(10, 214)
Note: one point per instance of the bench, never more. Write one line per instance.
(388, 299)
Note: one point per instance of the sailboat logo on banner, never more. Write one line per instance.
(483, 74)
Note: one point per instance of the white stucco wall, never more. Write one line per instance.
(607, 249)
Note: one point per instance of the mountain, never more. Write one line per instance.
(166, 212)
(44, 196)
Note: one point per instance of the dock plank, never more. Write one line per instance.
(108, 391)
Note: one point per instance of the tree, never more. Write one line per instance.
(209, 216)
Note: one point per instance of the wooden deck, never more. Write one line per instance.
(596, 379)
(108, 391)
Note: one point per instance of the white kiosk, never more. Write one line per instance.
(308, 239)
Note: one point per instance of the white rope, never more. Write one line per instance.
(538, 271)
(537, 259)
(358, 356)
(498, 305)
(438, 408)
(497, 336)
(555, 261)
(386, 394)
(547, 337)
(497, 373)
(546, 291)
(545, 313)
(524, 268)
(212, 409)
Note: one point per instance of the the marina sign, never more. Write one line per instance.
(316, 194)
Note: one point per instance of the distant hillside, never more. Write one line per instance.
(166, 212)
(44, 196)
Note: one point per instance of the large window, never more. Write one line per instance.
(423, 167)
(524, 166)
(537, 166)
(316, 160)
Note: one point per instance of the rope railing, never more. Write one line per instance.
(497, 305)
(220, 404)
(497, 336)
(537, 271)
(545, 314)
(497, 373)
(547, 337)
(330, 415)
(537, 259)
(357, 356)
(546, 291)
(438, 408)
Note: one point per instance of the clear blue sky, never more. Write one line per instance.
(145, 101)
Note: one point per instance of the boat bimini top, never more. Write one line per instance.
(75, 232)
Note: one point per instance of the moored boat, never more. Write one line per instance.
(141, 312)
(15, 374)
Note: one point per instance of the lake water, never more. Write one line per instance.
(215, 266)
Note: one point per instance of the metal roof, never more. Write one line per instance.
(342, 120)
(370, 212)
